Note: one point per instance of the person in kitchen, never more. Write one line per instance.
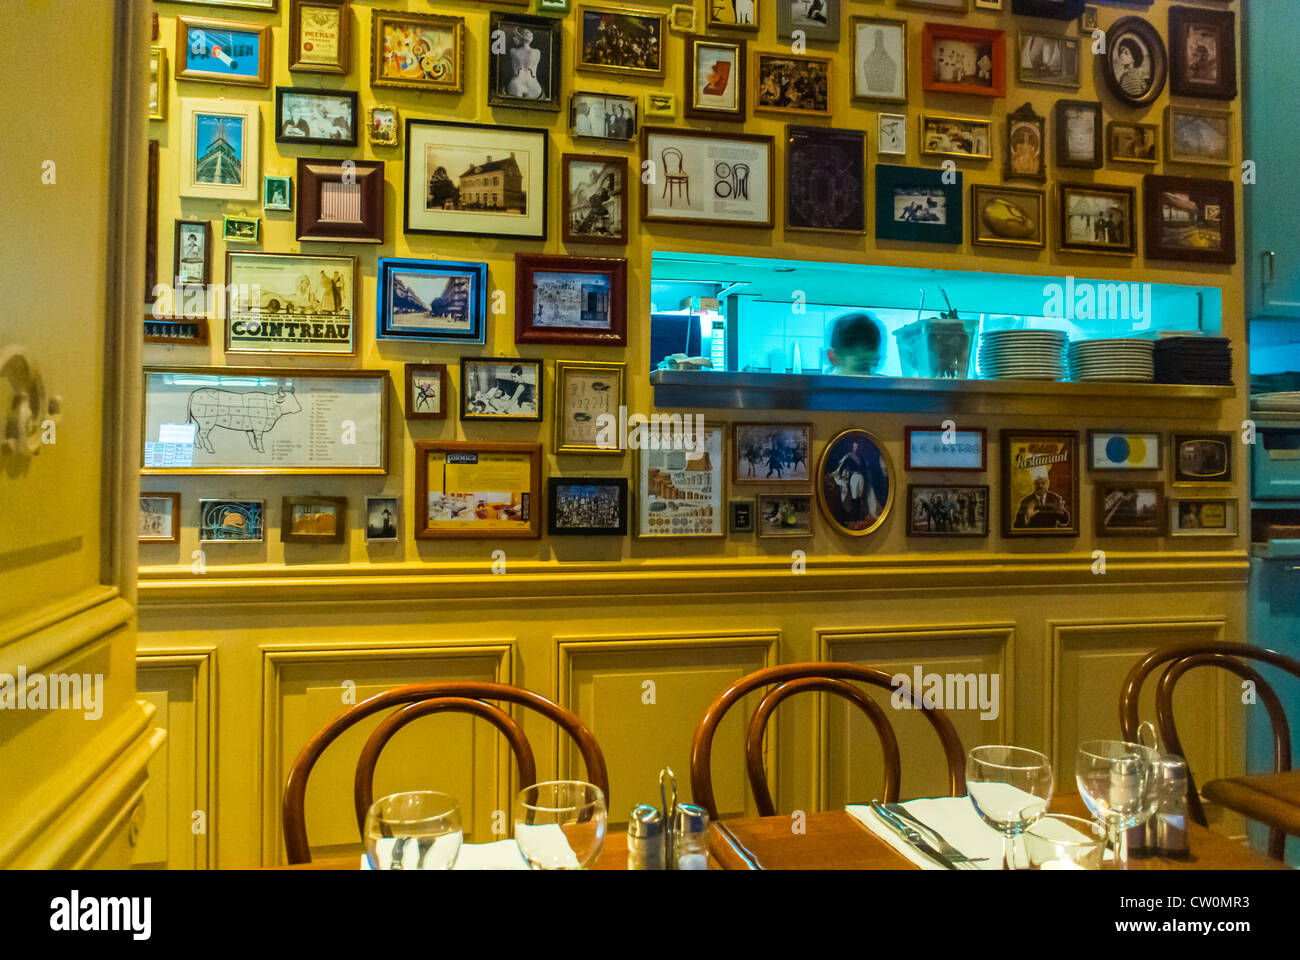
(857, 345)
(1042, 508)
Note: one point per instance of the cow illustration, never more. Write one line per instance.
(250, 413)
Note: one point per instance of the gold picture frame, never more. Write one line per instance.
(841, 515)
(157, 82)
(584, 42)
(925, 123)
(217, 35)
(399, 68)
(761, 97)
(526, 460)
(594, 404)
(1005, 228)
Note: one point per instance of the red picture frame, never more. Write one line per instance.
(529, 308)
(997, 40)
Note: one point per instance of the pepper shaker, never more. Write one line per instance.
(645, 838)
(1168, 834)
(690, 837)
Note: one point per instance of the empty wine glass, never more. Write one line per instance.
(560, 824)
(1010, 788)
(1116, 781)
(1059, 842)
(420, 830)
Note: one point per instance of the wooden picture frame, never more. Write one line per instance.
(818, 32)
(591, 209)
(616, 128)
(184, 331)
(773, 506)
(1117, 451)
(766, 100)
(753, 191)
(923, 457)
(1135, 47)
(219, 53)
(753, 443)
(1025, 147)
(923, 189)
(338, 509)
(1003, 216)
(1111, 517)
(423, 403)
(574, 283)
(272, 325)
(1203, 73)
(1076, 144)
(719, 94)
(171, 532)
(1022, 451)
(887, 57)
(341, 201)
(731, 15)
(328, 46)
(1202, 459)
(942, 136)
(292, 125)
(158, 88)
(501, 388)
(934, 36)
(891, 135)
(586, 390)
(915, 491)
(545, 77)
(1180, 122)
(1034, 69)
(740, 515)
(397, 66)
(1124, 145)
(199, 272)
(645, 30)
(1127, 199)
(436, 301)
(699, 517)
(825, 180)
(557, 526)
(485, 521)
(1189, 219)
(151, 225)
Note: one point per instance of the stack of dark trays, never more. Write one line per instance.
(1205, 360)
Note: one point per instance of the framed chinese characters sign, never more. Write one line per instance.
(1040, 483)
(577, 300)
(588, 395)
(524, 68)
(220, 149)
(245, 420)
(680, 482)
(824, 174)
(1189, 219)
(418, 51)
(477, 491)
(318, 36)
(705, 177)
(290, 303)
(443, 301)
(595, 198)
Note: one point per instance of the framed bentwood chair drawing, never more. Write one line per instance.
(466, 490)
(693, 187)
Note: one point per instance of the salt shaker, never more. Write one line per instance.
(690, 837)
(1168, 834)
(645, 838)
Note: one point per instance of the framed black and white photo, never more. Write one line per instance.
(951, 510)
(277, 193)
(595, 198)
(290, 303)
(1026, 145)
(1202, 517)
(1202, 458)
(855, 483)
(503, 388)
(969, 60)
(963, 137)
(784, 83)
(771, 453)
(603, 116)
(891, 135)
(192, 254)
(159, 517)
(824, 179)
(1124, 450)
(1049, 59)
(383, 519)
(715, 79)
(784, 515)
(1130, 509)
(1133, 142)
(433, 300)
(527, 72)
(708, 177)
(588, 395)
(313, 519)
(587, 506)
(1078, 134)
(741, 516)
(1198, 135)
(1135, 64)
(615, 39)
(918, 205)
(426, 391)
(879, 59)
(817, 20)
(341, 201)
(1096, 219)
(1202, 53)
(325, 117)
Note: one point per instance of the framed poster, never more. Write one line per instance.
(715, 79)
(1124, 450)
(1026, 145)
(574, 300)
(771, 453)
(1078, 134)
(477, 491)
(313, 519)
(481, 180)
(1200, 136)
(525, 71)
(586, 507)
(1202, 517)
(1049, 59)
(318, 36)
(220, 149)
(783, 515)
(290, 303)
(1202, 53)
(1096, 219)
(825, 173)
(1135, 64)
(708, 178)
(254, 420)
(595, 198)
(232, 521)
(603, 116)
(855, 483)
(952, 510)
(879, 59)
(958, 59)
(502, 388)
(443, 301)
(964, 137)
(815, 19)
(220, 51)
(1130, 509)
(915, 204)
(616, 39)
(1189, 219)
(732, 14)
(586, 393)
(1040, 483)
(680, 485)
(426, 391)
(159, 517)
(417, 51)
(341, 201)
(383, 519)
(1008, 216)
(937, 449)
(785, 83)
(1202, 458)
(324, 117)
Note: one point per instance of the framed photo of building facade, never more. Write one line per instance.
(587, 392)
(1040, 483)
(825, 170)
(708, 178)
(221, 51)
(417, 51)
(595, 198)
(466, 490)
(434, 300)
(159, 517)
(574, 300)
(527, 73)
(220, 149)
(588, 506)
(290, 303)
(313, 519)
(680, 485)
(318, 36)
(616, 39)
(500, 388)
(1189, 219)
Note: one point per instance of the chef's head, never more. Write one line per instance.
(1041, 482)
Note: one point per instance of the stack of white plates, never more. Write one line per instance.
(1117, 360)
(1022, 355)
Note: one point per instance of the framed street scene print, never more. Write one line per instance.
(937, 449)
(595, 198)
(219, 51)
(680, 486)
(963, 137)
(817, 20)
(192, 254)
(1202, 458)
(1198, 135)
(1096, 219)
(1008, 216)
(160, 517)
(771, 453)
(232, 521)
(707, 177)
(502, 388)
(588, 395)
(417, 51)
(1130, 509)
(953, 510)
(1135, 64)
(603, 116)
(290, 303)
(879, 59)
(958, 59)
(483, 180)
(220, 149)
(435, 300)
(732, 14)
(855, 483)
(1202, 517)
(313, 519)
(324, 117)
(341, 201)
(825, 170)
(784, 83)
(915, 204)
(1040, 483)
(1026, 145)
(157, 82)
(277, 193)
(381, 125)
(1078, 134)
(318, 36)
(1049, 59)
(1124, 450)
(575, 300)
(426, 391)
(785, 515)
(1133, 142)
(715, 79)
(615, 39)
(526, 73)
(1202, 53)
(587, 507)
(477, 491)
(383, 519)
(1189, 219)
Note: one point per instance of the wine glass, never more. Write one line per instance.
(1010, 788)
(1059, 842)
(1116, 782)
(560, 824)
(420, 830)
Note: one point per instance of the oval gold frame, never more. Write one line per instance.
(821, 495)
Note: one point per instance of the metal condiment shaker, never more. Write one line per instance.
(1140, 838)
(645, 838)
(1168, 834)
(690, 826)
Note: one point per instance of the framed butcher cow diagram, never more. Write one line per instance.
(244, 420)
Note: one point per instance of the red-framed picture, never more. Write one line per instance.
(575, 300)
(963, 60)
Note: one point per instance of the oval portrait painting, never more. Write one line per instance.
(855, 484)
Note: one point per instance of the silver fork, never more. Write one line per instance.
(913, 836)
(946, 848)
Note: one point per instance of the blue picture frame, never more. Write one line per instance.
(452, 293)
(916, 205)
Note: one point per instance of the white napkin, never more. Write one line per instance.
(548, 842)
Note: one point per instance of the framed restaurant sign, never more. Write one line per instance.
(254, 420)
(477, 491)
(1040, 483)
(703, 177)
(293, 303)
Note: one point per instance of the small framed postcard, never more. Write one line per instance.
(1201, 517)
(1130, 509)
(962, 137)
(426, 391)
(825, 173)
(381, 125)
(595, 198)
(1117, 450)
(1202, 458)
(417, 51)
(947, 511)
(715, 79)
(660, 103)
(741, 513)
(785, 83)
(1026, 145)
(232, 521)
(443, 301)
(916, 204)
(604, 116)
(732, 14)
(157, 82)
(1096, 219)
(588, 395)
(313, 519)
(160, 517)
(772, 453)
(709, 177)
(502, 388)
(586, 507)
(277, 193)
(879, 59)
(891, 135)
(318, 36)
(525, 70)
(220, 149)
(938, 449)
(855, 483)
(1189, 219)
(969, 60)
(616, 39)
(219, 51)
(680, 486)
(1008, 216)
(341, 201)
(323, 117)
(1078, 134)
(466, 490)
(383, 519)
(192, 254)
(817, 20)
(1040, 483)
(290, 303)
(573, 300)
(785, 515)
(241, 229)
(1133, 142)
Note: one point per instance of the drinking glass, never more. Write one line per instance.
(419, 830)
(560, 824)
(1116, 781)
(1059, 842)
(1010, 788)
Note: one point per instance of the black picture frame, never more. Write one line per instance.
(1182, 451)
(915, 489)
(1215, 207)
(741, 517)
(1019, 123)
(183, 226)
(553, 487)
(890, 179)
(1060, 120)
(825, 179)
(1182, 67)
(1138, 34)
(549, 67)
(1066, 245)
(350, 140)
(481, 400)
(1050, 9)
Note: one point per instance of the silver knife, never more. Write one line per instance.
(912, 836)
(931, 834)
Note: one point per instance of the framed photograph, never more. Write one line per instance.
(586, 507)
(1008, 216)
(1078, 134)
(1124, 450)
(588, 395)
(1133, 142)
(947, 511)
(240, 229)
(784, 83)
(619, 40)
(501, 388)
(159, 518)
(383, 519)
(326, 117)
(879, 59)
(595, 198)
(313, 519)
(1026, 145)
(1202, 518)
(417, 51)
(318, 36)
(292, 303)
(772, 453)
(426, 391)
(785, 515)
(574, 300)
(659, 103)
(220, 149)
(192, 254)
(277, 193)
(708, 178)
(1050, 9)
(956, 137)
(825, 171)
(482, 180)
(1135, 64)
(232, 521)
(434, 300)
(527, 72)
(220, 51)
(478, 491)
(1189, 219)
(1200, 136)
(1133, 509)
(732, 14)
(914, 204)
(157, 82)
(715, 79)
(937, 449)
(1202, 53)
(604, 116)
(1040, 483)
(341, 201)
(1050, 59)
(1202, 458)
(1096, 219)
(381, 125)
(817, 19)
(855, 483)
(679, 486)
(741, 514)
(891, 135)
(963, 60)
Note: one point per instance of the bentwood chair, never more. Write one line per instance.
(417, 700)
(1272, 799)
(795, 678)
(676, 180)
